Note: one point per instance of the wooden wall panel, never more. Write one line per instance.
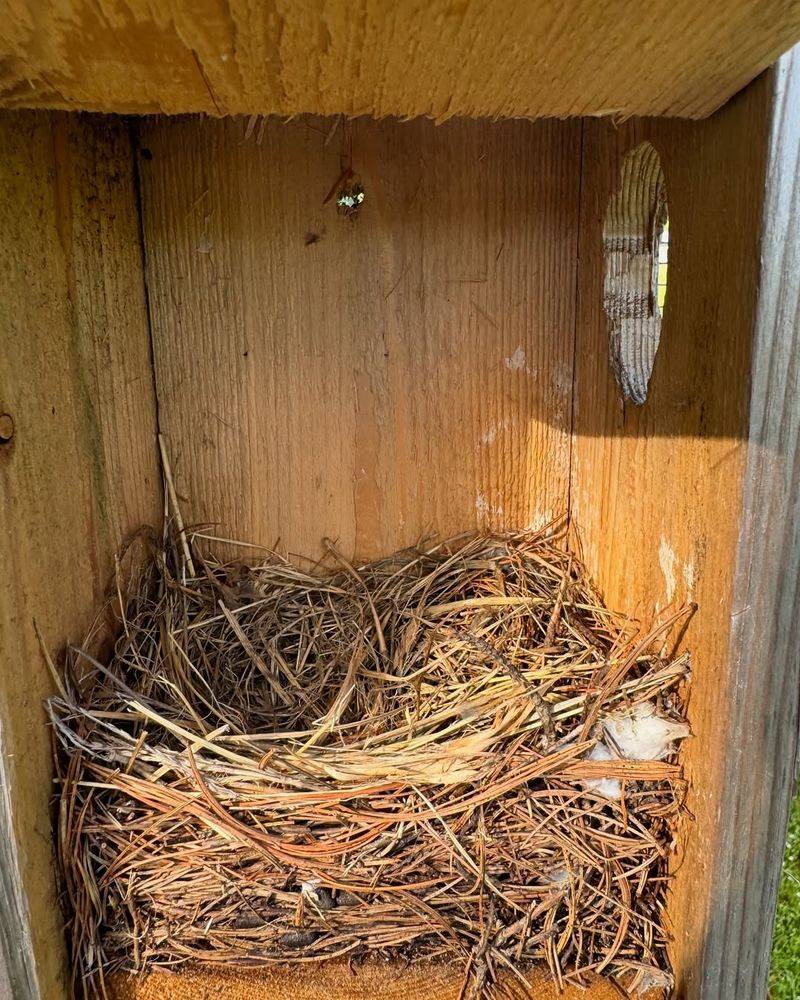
(410, 369)
(80, 470)
(763, 700)
(657, 489)
(492, 58)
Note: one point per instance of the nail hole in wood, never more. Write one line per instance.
(635, 250)
(6, 429)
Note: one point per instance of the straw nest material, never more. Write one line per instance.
(413, 758)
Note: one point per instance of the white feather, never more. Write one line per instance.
(611, 788)
(640, 734)
(309, 889)
(654, 979)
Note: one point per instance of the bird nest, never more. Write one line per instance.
(456, 753)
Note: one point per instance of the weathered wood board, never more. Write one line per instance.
(79, 470)
(658, 493)
(479, 58)
(762, 693)
(408, 370)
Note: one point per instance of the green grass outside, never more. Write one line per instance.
(785, 975)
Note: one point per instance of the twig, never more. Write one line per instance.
(503, 661)
(173, 499)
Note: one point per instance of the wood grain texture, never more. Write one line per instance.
(80, 470)
(493, 58)
(18, 973)
(657, 489)
(338, 980)
(762, 695)
(409, 370)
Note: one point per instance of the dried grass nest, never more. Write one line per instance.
(431, 756)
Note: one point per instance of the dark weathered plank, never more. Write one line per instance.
(762, 692)
(657, 489)
(18, 977)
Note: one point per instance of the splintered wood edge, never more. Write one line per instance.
(17, 965)
(764, 672)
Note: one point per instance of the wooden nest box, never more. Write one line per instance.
(482, 339)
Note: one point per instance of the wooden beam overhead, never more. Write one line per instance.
(475, 58)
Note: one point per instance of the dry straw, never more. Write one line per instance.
(274, 765)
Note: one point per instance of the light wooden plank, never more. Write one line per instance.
(762, 695)
(80, 470)
(657, 489)
(410, 370)
(506, 58)
(338, 980)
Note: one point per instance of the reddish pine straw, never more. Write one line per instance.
(277, 765)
